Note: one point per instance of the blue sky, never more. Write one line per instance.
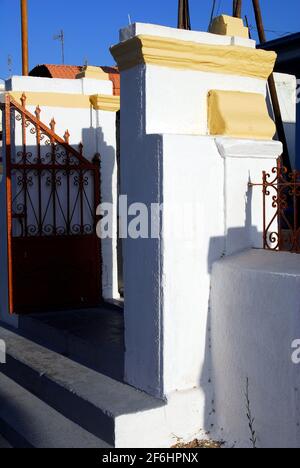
(91, 26)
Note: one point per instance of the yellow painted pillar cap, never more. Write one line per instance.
(95, 73)
(229, 26)
(239, 115)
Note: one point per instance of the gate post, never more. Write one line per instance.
(9, 200)
(192, 149)
(6, 297)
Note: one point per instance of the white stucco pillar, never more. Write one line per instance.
(287, 89)
(106, 108)
(194, 132)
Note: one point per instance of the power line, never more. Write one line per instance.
(279, 33)
(273, 31)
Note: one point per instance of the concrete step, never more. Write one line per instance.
(93, 338)
(104, 407)
(28, 422)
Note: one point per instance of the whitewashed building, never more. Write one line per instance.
(210, 303)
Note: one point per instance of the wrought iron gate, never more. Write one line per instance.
(53, 191)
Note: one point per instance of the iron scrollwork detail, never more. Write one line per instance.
(281, 204)
(54, 187)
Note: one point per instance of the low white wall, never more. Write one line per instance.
(254, 318)
(84, 86)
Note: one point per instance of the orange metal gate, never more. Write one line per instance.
(53, 191)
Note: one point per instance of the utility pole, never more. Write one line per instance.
(237, 8)
(272, 89)
(184, 21)
(24, 21)
(61, 37)
(213, 8)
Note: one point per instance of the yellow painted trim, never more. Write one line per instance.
(174, 53)
(95, 73)
(105, 102)
(239, 115)
(229, 26)
(73, 101)
(76, 101)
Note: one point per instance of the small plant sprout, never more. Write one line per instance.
(250, 417)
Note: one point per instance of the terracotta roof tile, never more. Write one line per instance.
(114, 76)
(56, 71)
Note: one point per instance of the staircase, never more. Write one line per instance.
(48, 400)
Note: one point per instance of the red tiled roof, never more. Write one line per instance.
(56, 71)
(114, 76)
(71, 71)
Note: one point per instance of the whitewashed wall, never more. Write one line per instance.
(182, 95)
(254, 320)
